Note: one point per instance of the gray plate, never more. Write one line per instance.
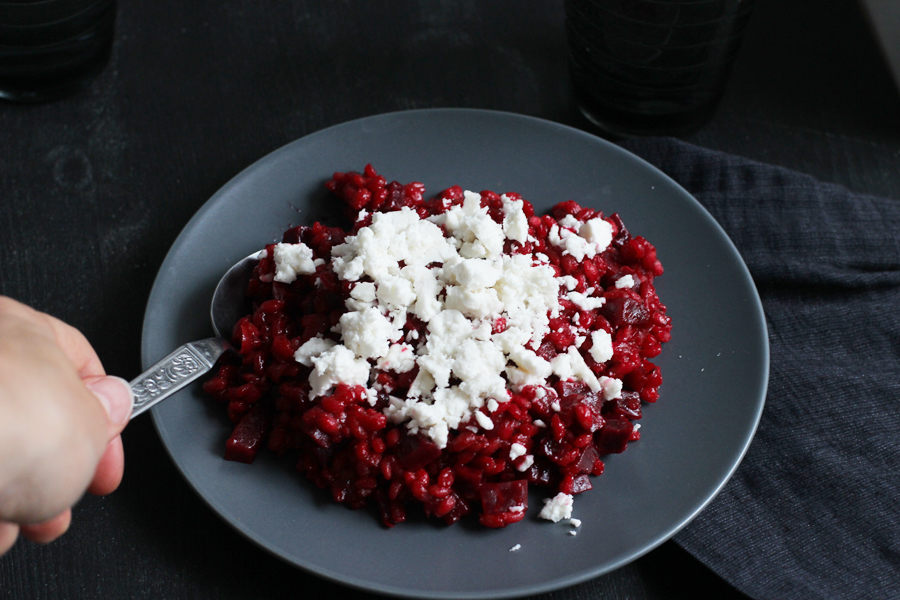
(715, 369)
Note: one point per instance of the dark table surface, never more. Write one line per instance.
(95, 188)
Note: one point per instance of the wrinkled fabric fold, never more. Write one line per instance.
(813, 511)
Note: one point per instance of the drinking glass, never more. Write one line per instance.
(652, 67)
(52, 48)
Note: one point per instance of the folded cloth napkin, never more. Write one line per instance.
(813, 511)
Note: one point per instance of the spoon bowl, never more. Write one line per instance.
(194, 359)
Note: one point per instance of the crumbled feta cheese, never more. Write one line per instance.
(472, 273)
(598, 232)
(625, 281)
(484, 420)
(516, 450)
(612, 387)
(368, 333)
(292, 260)
(400, 358)
(585, 302)
(557, 508)
(570, 221)
(516, 548)
(515, 223)
(372, 396)
(602, 348)
(336, 365)
(570, 282)
(571, 365)
(449, 271)
(571, 243)
(528, 361)
(575, 522)
(395, 292)
(312, 349)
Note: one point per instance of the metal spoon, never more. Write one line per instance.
(194, 359)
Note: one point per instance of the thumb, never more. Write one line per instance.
(117, 399)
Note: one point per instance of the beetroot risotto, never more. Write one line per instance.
(446, 353)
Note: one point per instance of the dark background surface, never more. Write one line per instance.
(94, 189)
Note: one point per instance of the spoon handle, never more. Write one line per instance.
(175, 371)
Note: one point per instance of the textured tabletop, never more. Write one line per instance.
(95, 188)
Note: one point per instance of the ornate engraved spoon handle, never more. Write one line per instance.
(175, 371)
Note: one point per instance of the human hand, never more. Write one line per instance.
(60, 420)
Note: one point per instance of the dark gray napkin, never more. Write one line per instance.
(814, 509)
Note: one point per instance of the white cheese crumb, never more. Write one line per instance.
(612, 387)
(292, 260)
(575, 522)
(585, 302)
(571, 365)
(571, 243)
(526, 464)
(625, 281)
(570, 282)
(516, 548)
(312, 349)
(516, 450)
(570, 221)
(337, 365)
(602, 349)
(484, 420)
(400, 358)
(367, 333)
(557, 508)
(515, 223)
(598, 232)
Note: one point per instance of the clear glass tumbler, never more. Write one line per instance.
(52, 48)
(652, 67)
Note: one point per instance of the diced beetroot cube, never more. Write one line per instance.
(504, 497)
(614, 436)
(414, 452)
(624, 310)
(627, 405)
(540, 474)
(247, 437)
(569, 387)
(621, 233)
(588, 459)
(581, 483)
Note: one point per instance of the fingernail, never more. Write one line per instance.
(116, 396)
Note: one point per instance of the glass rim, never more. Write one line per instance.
(682, 2)
(58, 22)
(735, 17)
